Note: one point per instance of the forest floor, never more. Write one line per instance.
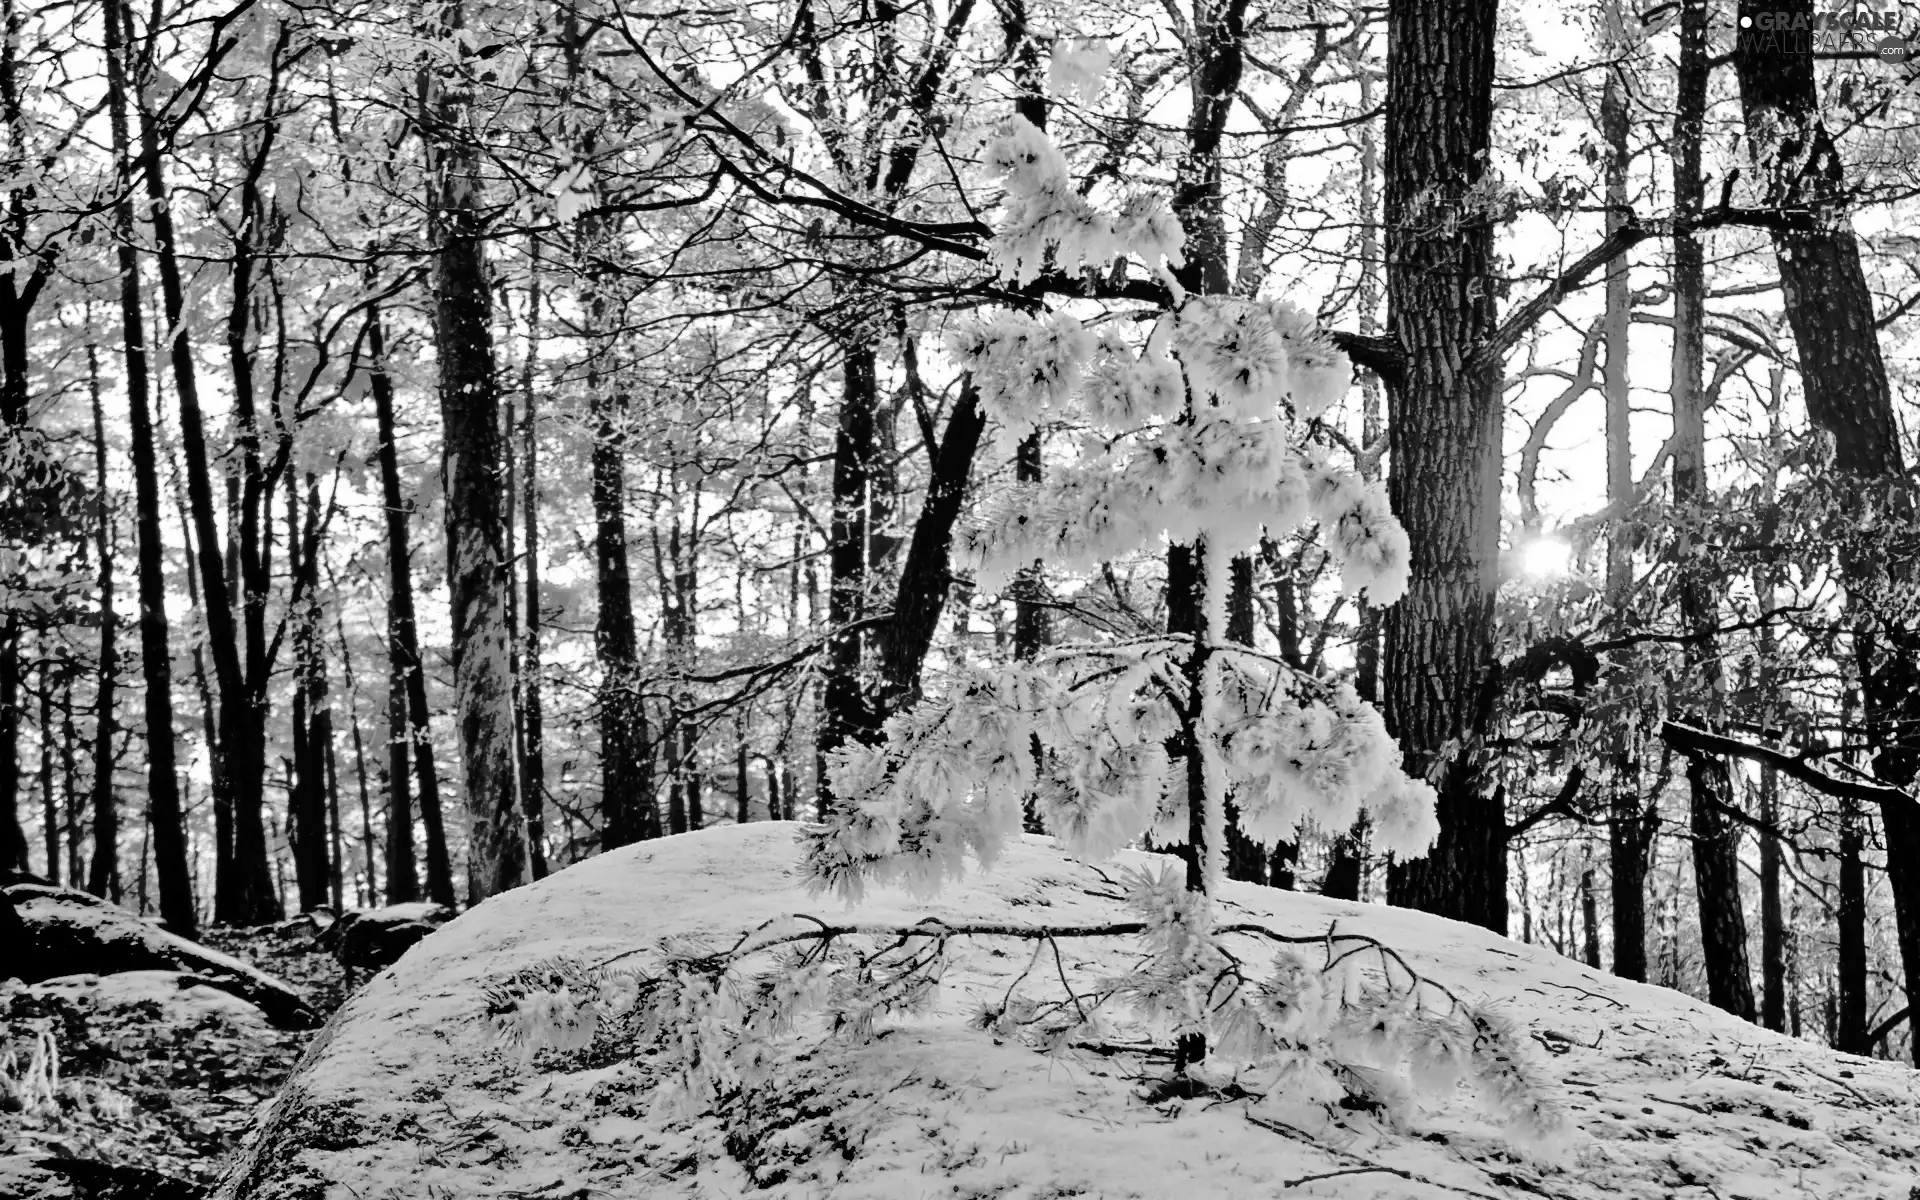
(145, 1074)
(410, 1092)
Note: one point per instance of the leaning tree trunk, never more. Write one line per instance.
(163, 795)
(1847, 395)
(471, 465)
(1444, 424)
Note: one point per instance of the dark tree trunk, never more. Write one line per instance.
(1850, 1033)
(163, 796)
(312, 723)
(849, 713)
(1630, 820)
(533, 763)
(1845, 381)
(410, 734)
(1716, 874)
(1445, 430)
(359, 755)
(472, 463)
(1773, 926)
(627, 807)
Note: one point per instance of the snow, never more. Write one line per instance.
(407, 1092)
(180, 997)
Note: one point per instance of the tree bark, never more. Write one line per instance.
(1847, 395)
(1850, 1033)
(471, 466)
(1439, 667)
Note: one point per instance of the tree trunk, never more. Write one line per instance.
(848, 714)
(312, 724)
(411, 734)
(359, 753)
(253, 898)
(1850, 1034)
(533, 763)
(1630, 820)
(471, 466)
(1845, 381)
(1723, 927)
(627, 807)
(1445, 428)
(163, 796)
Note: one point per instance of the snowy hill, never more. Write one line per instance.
(408, 1094)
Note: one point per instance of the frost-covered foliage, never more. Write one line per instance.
(1331, 1020)
(1194, 428)
(952, 777)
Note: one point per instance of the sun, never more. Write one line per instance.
(1545, 558)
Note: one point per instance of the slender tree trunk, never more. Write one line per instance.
(472, 463)
(628, 811)
(1851, 920)
(407, 712)
(1716, 840)
(1630, 819)
(1847, 395)
(253, 898)
(49, 808)
(1445, 426)
(313, 719)
(1347, 864)
(533, 763)
(163, 796)
(359, 751)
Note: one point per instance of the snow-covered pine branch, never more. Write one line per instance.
(1330, 1018)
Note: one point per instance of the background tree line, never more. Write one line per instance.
(443, 444)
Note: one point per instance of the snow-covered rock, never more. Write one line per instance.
(407, 1093)
(375, 938)
(61, 931)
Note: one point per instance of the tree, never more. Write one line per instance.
(1444, 414)
(1847, 396)
(472, 465)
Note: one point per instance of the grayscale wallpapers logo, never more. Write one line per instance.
(1852, 29)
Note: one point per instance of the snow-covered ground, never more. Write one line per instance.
(407, 1093)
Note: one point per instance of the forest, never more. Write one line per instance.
(443, 444)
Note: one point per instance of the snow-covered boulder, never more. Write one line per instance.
(408, 1093)
(373, 939)
(59, 931)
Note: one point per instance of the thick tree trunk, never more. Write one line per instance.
(1445, 428)
(1847, 395)
(471, 466)
(163, 796)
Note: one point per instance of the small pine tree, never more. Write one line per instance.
(1195, 432)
